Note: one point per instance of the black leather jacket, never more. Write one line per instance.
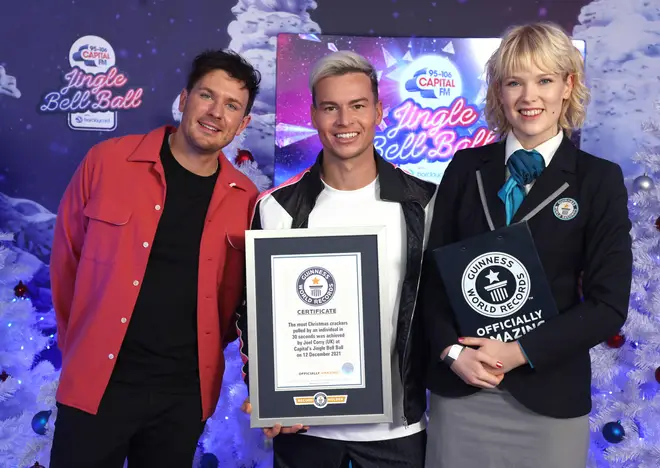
(297, 197)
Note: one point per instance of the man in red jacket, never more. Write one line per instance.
(147, 269)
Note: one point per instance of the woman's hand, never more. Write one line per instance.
(508, 354)
(476, 368)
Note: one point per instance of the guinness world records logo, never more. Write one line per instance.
(315, 286)
(495, 284)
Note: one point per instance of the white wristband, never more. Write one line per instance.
(453, 354)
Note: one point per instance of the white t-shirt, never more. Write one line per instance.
(363, 207)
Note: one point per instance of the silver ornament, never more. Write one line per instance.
(643, 183)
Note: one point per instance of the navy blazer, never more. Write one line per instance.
(596, 242)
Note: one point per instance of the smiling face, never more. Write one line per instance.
(213, 112)
(346, 115)
(533, 102)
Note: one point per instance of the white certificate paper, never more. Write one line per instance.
(317, 314)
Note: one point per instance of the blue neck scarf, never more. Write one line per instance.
(524, 167)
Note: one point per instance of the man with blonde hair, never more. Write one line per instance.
(350, 184)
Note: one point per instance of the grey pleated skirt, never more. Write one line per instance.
(490, 429)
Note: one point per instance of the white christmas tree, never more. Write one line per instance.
(247, 165)
(622, 64)
(228, 436)
(254, 35)
(625, 420)
(27, 391)
(8, 84)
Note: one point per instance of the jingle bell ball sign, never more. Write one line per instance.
(433, 92)
(95, 89)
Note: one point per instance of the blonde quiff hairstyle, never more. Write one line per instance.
(341, 63)
(548, 47)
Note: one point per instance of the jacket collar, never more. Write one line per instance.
(547, 149)
(395, 184)
(148, 150)
(563, 164)
(564, 159)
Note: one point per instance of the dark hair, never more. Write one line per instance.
(230, 62)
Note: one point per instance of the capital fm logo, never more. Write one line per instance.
(92, 56)
(431, 84)
(94, 90)
(433, 81)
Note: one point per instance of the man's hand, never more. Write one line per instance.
(246, 407)
(271, 432)
(509, 354)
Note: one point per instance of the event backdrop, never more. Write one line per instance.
(433, 92)
(140, 51)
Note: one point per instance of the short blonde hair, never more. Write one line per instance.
(548, 47)
(340, 63)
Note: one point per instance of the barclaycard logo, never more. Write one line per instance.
(93, 119)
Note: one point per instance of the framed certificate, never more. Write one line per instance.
(318, 339)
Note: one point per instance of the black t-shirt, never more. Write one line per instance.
(160, 346)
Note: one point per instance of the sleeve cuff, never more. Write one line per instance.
(525, 354)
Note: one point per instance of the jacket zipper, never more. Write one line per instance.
(412, 316)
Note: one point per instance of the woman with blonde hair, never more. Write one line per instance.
(524, 402)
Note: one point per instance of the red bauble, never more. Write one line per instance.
(4, 376)
(20, 290)
(243, 156)
(616, 341)
(657, 375)
(657, 224)
(37, 465)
